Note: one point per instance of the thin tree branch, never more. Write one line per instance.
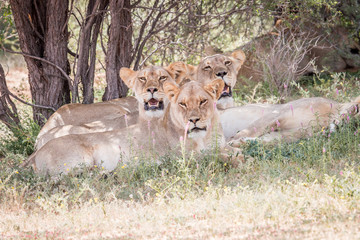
(154, 51)
(135, 4)
(46, 61)
(142, 29)
(153, 32)
(30, 104)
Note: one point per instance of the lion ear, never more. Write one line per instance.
(128, 76)
(238, 58)
(191, 69)
(176, 69)
(210, 50)
(171, 90)
(215, 88)
(181, 71)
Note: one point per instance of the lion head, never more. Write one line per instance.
(147, 85)
(222, 67)
(193, 106)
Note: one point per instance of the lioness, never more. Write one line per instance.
(191, 112)
(77, 114)
(151, 101)
(292, 120)
(85, 118)
(222, 67)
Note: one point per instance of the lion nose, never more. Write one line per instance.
(152, 90)
(194, 120)
(221, 74)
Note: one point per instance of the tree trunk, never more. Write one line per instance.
(119, 48)
(87, 48)
(42, 30)
(8, 116)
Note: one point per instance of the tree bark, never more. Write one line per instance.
(42, 30)
(119, 48)
(87, 48)
(8, 116)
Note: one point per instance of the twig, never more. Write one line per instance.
(155, 50)
(30, 104)
(46, 61)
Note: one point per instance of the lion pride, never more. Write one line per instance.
(190, 114)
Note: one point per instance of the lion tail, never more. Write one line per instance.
(30, 160)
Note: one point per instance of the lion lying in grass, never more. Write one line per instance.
(77, 114)
(191, 112)
(150, 101)
(79, 118)
(291, 121)
(107, 116)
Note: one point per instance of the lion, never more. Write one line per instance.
(100, 116)
(291, 121)
(191, 115)
(150, 99)
(77, 114)
(223, 67)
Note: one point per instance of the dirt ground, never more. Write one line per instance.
(16, 75)
(17, 81)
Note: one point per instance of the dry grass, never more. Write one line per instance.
(288, 191)
(283, 210)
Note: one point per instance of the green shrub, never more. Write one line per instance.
(20, 140)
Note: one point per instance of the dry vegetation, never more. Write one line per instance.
(305, 190)
(290, 210)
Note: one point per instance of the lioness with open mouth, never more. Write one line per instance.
(150, 100)
(222, 67)
(191, 110)
(218, 66)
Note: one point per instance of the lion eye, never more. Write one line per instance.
(227, 63)
(207, 68)
(182, 105)
(203, 102)
(143, 79)
(162, 78)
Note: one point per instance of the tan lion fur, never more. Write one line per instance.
(223, 67)
(291, 121)
(183, 72)
(111, 115)
(77, 114)
(156, 136)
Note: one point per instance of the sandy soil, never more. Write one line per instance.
(17, 81)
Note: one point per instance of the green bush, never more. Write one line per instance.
(20, 140)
